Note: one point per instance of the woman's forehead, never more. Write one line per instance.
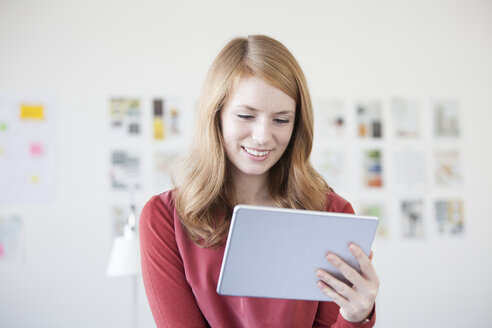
(254, 93)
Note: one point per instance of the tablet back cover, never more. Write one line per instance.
(274, 253)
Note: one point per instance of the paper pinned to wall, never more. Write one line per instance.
(409, 168)
(369, 119)
(168, 119)
(412, 218)
(406, 118)
(331, 164)
(377, 209)
(27, 149)
(447, 168)
(126, 169)
(450, 216)
(446, 119)
(372, 167)
(125, 117)
(330, 118)
(12, 248)
(119, 217)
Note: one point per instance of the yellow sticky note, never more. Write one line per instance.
(34, 112)
(35, 178)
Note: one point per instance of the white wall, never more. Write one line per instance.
(84, 52)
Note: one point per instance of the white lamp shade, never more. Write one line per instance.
(124, 260)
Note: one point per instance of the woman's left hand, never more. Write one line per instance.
(356, 302)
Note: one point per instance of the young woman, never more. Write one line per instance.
(252, 146)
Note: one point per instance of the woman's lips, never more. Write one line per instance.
(257, 154)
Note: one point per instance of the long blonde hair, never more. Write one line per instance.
(204, 196)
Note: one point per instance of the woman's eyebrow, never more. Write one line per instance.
(248, 107)
(283, 112)
(286, 112)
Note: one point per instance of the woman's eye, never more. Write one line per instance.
(246, 117)
(281, 121)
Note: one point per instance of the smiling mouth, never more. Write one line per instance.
(256, 152)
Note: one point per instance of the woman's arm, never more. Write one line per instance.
(170, 297)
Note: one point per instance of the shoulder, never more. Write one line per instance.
(167, 198)
(159, 209)
(336, 203)
(161, 202)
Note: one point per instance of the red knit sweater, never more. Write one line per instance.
(180, 280)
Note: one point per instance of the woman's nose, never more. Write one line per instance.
(262, 132)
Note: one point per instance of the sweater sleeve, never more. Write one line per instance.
(170, 297)
(328, 312)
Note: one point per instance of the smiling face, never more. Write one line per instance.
(257, 123)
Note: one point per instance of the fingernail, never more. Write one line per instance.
(330, 257)
(320, 274)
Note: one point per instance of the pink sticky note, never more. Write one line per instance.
(36, 149)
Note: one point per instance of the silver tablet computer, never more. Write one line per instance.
(274, 252)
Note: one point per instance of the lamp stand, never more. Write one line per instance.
(135, 301)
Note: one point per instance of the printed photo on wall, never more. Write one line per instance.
(450, 216)
(119, 216)
(412, 212)
(406, 118)
(330, 119)
(409, 168)
(447, 168)
(446, 119)
(125, 117)
(119, 213)
(163, 164)
(12, 243)
(369, 119)
(330, 163)
(125, 169)
(375, 209)
(372, 168)
(167, 119)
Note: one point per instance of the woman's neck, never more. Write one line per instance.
(252, 190)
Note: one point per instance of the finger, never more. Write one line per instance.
(337, 285)
(348, 272)
(364, 262)
(371, 255)
(331, 293)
